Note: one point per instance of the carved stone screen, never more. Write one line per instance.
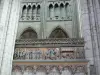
(49, 53)
(37, 53)
(49, 61)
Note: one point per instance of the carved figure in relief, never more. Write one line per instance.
(54, 72)
(79, 71)
(30, 54)
(66, 71)
(24, 53)
(57, 53)
(16, 72)
(15, 56)
(40, 73)
(39, 54)
(52, 53)
(28, 72)
(19, 54)
(78, 54)
(27, 55)
(35, 69)
(33, 54)
(47, 54)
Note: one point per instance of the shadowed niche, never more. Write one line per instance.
(29, 33)
(58, 33)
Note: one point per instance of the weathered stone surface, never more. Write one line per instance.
(81, 21)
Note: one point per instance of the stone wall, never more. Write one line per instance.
(88, 16)
(9, 22)
(3, 26)
(94, 26)
(46, 24)
(90, 27)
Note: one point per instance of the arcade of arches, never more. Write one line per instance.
(48, 60)
(59, 54)
(31, 34)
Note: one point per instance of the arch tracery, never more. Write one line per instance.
(24, 10)
(60, 11)
(51, 11)
(56, 10)
(58, 33)
(29, 12)
(38, 10)
(29, 33)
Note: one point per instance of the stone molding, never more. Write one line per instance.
(73, 68)
(50, 42)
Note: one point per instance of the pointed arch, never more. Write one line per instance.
(29, 10)
(56, 10)
(24, 11)
(66, 8)
(51, 10)
(62, 13)
(66, 4)
(29, 33)
(58, 32)
(33, 10)
(38, 9)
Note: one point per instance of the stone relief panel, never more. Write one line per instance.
(59, 10)
(49, 53)
(28, 70)
(56, 10)
(76, 69)
(17, 70)
(30, 11)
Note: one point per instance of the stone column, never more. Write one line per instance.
(97, 8)
(4, 17)
(43, 20)
(94, 23)
(75, 19)
(10, 38)
(86, 30)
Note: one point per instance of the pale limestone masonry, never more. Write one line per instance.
(85, 24)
